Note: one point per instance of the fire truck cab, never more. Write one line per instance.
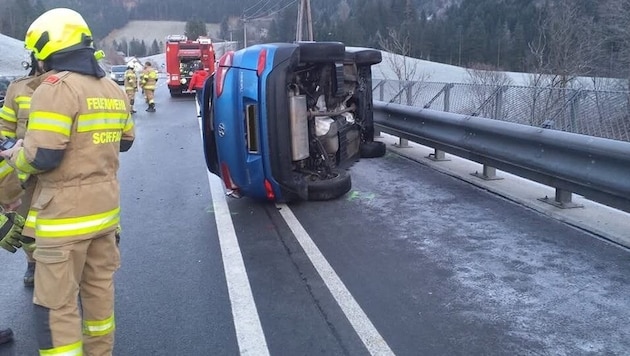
(183, 56)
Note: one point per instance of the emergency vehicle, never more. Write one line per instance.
(183, 56)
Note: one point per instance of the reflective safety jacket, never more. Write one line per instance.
(13, 122)
(149, 78)
(131, 80)
(77, 126)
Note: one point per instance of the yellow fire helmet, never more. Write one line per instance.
(55, 31)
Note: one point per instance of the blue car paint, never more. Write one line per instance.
(224, 127)
(241, 88)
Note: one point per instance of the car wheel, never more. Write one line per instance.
(331, 188)
(322, 52)
(372, 149)
(367, 57)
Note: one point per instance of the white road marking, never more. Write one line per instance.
(249, 333)
(371, 338)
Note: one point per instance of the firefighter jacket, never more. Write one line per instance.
(13, 122)
(149, 78)
(131, 81)
(197, 80)
(78, 124)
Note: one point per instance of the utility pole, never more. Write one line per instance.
(304, 11)
(244, 33)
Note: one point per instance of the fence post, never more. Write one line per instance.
(447, 97)
(409, 93)
(381, 90)
(498, 103)
(438, 155)
(575, 109)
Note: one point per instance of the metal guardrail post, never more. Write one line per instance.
(561, 200)
(488, 173)
(437, 156)
(402, 143)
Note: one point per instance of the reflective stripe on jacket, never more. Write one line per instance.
(13, 122)
(73, 147)
(131, 80)
(149, 78)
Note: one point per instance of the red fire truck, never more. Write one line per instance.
(183, 56)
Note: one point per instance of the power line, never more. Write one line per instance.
(265, 11)
(259, 8)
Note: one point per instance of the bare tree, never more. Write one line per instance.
(487, 89)
(567, 45)
(404, 67)
(615, 15)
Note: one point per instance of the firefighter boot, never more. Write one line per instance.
(6, 335)
(29, 275)
(151, 107)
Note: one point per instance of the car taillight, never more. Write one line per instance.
(269, 191)
(227, 178)
(262, 61)
(224, 65)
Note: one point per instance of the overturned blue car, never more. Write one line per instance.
(285, 121)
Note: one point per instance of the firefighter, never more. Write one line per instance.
(16, 189)
(78, 124)
(131, 86)
(196, 84)
(148, 82)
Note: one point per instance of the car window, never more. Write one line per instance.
(119, 68)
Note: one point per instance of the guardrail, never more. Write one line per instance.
(596, 168)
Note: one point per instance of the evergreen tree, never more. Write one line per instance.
(474, 46)
(155, 49)
(195, 28)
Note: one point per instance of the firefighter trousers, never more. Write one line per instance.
(64, 274)
(27, 198)
(131, 95)
(149, 95)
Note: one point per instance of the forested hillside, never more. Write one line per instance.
(569, 37)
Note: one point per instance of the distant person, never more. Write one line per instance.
(148, 83)
(131, 86)
(196, 84)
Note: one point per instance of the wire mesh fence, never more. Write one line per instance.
(589, 112)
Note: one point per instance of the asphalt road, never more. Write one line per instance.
(410, 262)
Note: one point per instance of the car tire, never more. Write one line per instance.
(372, 149)
(367, 57)
(330, 188)
(322, 52)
